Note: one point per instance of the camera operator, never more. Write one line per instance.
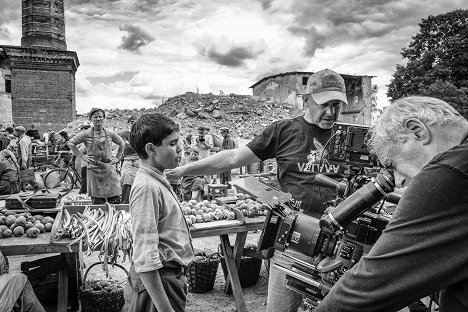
(424, 247)
(297, 144)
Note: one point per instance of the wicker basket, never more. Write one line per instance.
(249, 269)
(202, 274)
(101, 301)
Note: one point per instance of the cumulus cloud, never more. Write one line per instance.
(121, 76)
(330, 23)
(135, 39)
(234, 57)
(4, 33)
(266, 4)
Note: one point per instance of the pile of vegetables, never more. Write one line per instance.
(251, 208)
(103, 285)
(105, 230)
(19, 224)
(205, 211)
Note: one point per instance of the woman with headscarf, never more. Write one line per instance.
(103, 182)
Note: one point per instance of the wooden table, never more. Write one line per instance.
(68, 289)
(233, 254)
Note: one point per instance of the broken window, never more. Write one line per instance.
(7, 85)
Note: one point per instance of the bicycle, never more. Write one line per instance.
(63, 180)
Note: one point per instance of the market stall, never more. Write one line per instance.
(68, 269)
(68, 288)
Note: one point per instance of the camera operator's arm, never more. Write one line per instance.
(424, 249)
(219, 162)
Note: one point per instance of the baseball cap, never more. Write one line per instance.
(222, 129)
(96, 109)
(326, 85)
(20, 128)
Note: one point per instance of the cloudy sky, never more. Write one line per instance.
(136, 53)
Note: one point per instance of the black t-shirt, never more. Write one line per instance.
(298, 146)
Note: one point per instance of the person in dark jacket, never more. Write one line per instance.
(424, 247)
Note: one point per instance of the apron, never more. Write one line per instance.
(102, 178)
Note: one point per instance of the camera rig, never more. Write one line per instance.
(352, 223)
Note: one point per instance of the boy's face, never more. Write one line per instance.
(167, 155)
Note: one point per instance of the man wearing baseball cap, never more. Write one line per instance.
(297, 144)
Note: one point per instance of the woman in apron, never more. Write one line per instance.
(103, 183)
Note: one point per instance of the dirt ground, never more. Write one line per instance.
(212, 301)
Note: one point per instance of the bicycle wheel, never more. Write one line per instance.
(59, 181)
(77, 180)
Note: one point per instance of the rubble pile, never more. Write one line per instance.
(245, 115)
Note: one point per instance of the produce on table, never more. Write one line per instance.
(107, 231)
(205, 211)
(18, 224)
(250, 207)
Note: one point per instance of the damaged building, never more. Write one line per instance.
(37, 79)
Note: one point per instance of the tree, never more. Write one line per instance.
(437, 61)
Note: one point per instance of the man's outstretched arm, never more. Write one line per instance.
(217, 163)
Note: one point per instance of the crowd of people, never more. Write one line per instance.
(99, 151)
(423, 141)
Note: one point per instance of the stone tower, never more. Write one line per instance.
(37, 79)
(43, 24)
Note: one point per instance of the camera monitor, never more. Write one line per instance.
(348, 145)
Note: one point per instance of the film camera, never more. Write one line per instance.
(352, 222)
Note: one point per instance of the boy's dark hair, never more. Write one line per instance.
(9, 130)
(150, 128)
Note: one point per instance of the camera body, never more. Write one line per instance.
(348, 229)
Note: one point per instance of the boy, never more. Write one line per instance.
(162, 247)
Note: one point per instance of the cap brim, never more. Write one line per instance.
(323, 97)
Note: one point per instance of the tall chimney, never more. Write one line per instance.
(43, 24)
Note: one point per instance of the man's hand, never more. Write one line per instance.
(87, 159)
(173, 174)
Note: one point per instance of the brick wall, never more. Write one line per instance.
(45, 98)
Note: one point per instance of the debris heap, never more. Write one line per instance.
(245, 115)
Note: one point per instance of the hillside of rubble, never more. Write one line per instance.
(245, 115)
